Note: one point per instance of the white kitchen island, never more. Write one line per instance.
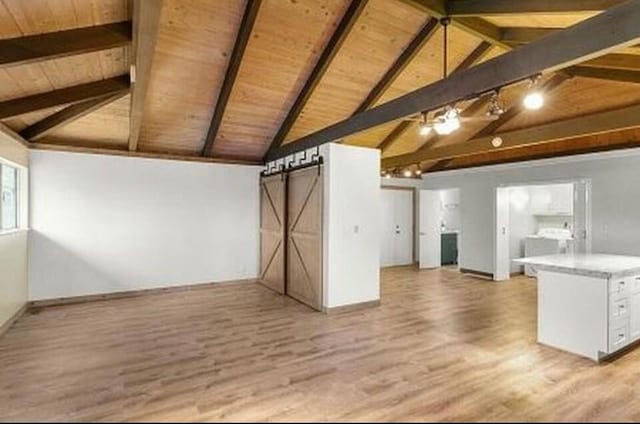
(588, 304)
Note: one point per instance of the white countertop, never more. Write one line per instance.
(590, 265)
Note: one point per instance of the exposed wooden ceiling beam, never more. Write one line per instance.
(561, 148)
(440, 165)
(597, 123)
(35, 48)
(515, 36)
(620, 75)
(396, 133)
(242, 40)
(477, 54)
(68, 115)
(414, 47)
(330, 51)
(63, 96)
(586, 40)
(616, 61)
(482, 29)
(126, 152)
(508, 7)
(146, 20)
(7, 132)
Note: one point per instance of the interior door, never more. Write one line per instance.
(430, 231)
(502, 267)
(582, 217)
(272, 231)
(304, 236)
(403, 227)
(387, 226)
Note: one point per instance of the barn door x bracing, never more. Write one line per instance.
(272, 231)
(304, 236)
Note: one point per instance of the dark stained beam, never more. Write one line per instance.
(586, 40)
(480, 28)
(146, 21)
(515, 36)
(562, 148)
(477, 54)
(457, 8)
(35, 48)
(423, 36)
(592, 124)
(68, 115)
(330, 51)
(242, 39)
(620, 75)
(440, 165)
(63, 96)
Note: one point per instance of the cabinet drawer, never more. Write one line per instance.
(619, 285)
(618, 334)
(619, 307)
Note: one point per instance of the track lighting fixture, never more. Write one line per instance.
(534, 99)
(407, 173)
(425, 128)
(448, 121)
(495, 108)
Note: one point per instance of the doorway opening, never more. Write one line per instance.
(540, 219)
(397, 227)
(440, 228)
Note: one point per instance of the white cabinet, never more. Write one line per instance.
(589, 316)
(554, 199)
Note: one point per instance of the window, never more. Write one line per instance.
(9, 204)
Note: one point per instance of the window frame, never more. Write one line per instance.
(21, 200)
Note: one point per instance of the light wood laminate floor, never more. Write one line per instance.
(442, 346)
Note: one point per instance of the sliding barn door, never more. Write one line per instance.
(304, 236)
(272, 232)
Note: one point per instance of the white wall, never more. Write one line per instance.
(615, 200)
(13, 245)
(104, 224)
(352, 217)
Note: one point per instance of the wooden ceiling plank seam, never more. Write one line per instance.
(68, 115)
(242, 40)
(332, 48)
(422, 37)
(457, 8)
(146, 21)
(588, 39)
(53, 45)
(477, 54)
(586, 125)
(63, 96)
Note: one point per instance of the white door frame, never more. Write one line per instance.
(587, 219)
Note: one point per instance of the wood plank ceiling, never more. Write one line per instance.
(225, 80)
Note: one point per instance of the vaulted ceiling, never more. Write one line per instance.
(227, 80)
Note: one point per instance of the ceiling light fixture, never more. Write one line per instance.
(425, 128)
(448, 121)
(534, 99)
(407, 173)
(495, 108)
